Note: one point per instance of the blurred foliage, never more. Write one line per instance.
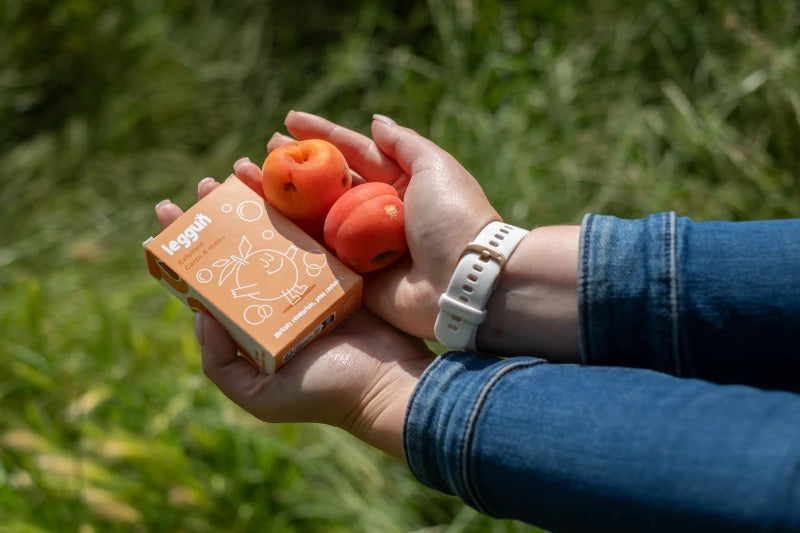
(558, 108)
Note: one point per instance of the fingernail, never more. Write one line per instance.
(289, 114)
(240, 162)
(203, 182)
(162, 203)
(198, 327)
(384, 119)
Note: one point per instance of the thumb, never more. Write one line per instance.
(441, 193)
(410, 150)
(445, 208)
(440, 173)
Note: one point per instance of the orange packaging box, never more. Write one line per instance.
(273, 287)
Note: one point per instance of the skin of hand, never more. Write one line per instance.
(359, 377)
(533, 309)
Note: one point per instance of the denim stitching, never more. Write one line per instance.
(584, 337)
(469, 432)
(672, 272)
(663, 352)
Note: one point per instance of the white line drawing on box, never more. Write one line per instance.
(265, 275)
(250, 211)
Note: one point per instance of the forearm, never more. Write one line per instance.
(571, 447)
(714, 300)
(534, 308)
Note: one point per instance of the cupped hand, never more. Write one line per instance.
(445, 208)
(359, 377)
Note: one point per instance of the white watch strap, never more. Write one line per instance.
(463, 307)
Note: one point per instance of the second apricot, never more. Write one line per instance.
(365, 227)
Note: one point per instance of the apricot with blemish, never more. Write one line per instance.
(303, 179)
(365, 227)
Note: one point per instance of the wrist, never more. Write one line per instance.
(378, 420)
(534, 308)
(462, 307)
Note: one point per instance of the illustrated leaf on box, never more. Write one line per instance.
(244, 249)
(229, 266)
(223, 264)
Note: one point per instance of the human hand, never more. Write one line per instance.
(359, 377)
(445, 208)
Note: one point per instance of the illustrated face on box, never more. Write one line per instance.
(273, 279)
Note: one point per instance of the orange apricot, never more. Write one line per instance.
(365, 227)
(303, 179)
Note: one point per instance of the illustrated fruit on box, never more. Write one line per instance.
(365, 227)
(303, 179)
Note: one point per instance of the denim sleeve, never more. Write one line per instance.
(594, 448)
(713, 300)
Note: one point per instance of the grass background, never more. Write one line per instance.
(558, 108)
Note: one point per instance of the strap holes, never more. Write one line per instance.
(494, 243)
(498, 237)
(452, 326)
(463, 298)
(466, 288)
(504, 230)
(477, 268)
(472, 277)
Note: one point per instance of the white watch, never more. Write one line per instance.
(463, 307)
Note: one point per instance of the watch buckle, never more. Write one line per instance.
(485, 253)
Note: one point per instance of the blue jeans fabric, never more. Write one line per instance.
(713, 300)
(606, 447)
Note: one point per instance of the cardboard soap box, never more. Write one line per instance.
(274, 288)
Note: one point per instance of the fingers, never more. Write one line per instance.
(250, 174)
(167, 213)
(413, 152)
(236, 377)
(361, 153)
(438, 179)
(278, 139)
(205, 186)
